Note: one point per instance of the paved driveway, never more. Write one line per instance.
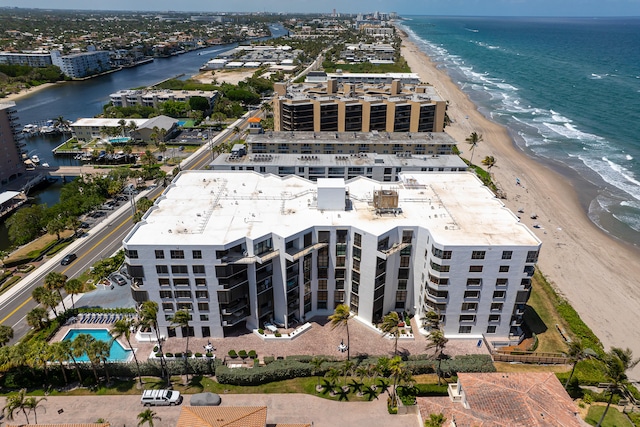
(122, 411)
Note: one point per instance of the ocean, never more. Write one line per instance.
(568, 91)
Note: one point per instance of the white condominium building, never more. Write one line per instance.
(240, 249)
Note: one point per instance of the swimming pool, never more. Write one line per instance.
(117, 353)
(122, 140)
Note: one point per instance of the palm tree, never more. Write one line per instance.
(59, 354)
(575, 353)
(32, 403)
(473, 139)
(39, 355)
(162, 147)
(16, 403)
(46, 297)
(122, 328)
(390, 327)
(147, 416)
(435, 420)
(6, 334)
(149, 318)
(133, 127)
(340, 318)
(397, 369)
(617, 363)
(101, 351)
(316, 364)
(437, 341)
(181, 318)
(148, 158)
(123, 125)
(73, 287)
(72, 351)
(37, 318)
(81, 345)
(431, 320)
(55, 281)
(347, 367)
(489, 161)
(332, 375)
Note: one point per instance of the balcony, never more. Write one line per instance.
(529, 270)
(237, 258)
(293, 254)
(261, 259)
(384, 253)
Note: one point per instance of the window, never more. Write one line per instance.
(439, 253)
(197, 254)
(464, 329)
(407, 236)
(441, 268)
(179, 269)
(338, 297)
(467, 318)
(496, 306)
(491, 329)
(163, 282)
(202, 294)
(475, 269)
(131, 254)
(507, 254)
(206, 332)
(357, 240)
(201, 282)
(532, 256)
(198, 269)
(494, 318)
(180, 282)
(204, 317)
(472, 294)
(162, 269)
(502, 282)
(183, 294)
(499, 294)
(185, 306)
(504, 269)
(177, 254)
(167, 306)
(474, 282)
(166, 294)
(203, 306)
(323, 236)
(478, 254)
(159, 254)
(469, 306)
(263, 247)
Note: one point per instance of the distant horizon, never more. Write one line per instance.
(454, 8)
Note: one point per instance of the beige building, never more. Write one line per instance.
(358, 107)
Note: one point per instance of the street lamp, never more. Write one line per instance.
(133, 203)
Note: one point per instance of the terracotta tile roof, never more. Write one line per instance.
(65, 425)
(514, 399)
(223, 416)
(292, 425)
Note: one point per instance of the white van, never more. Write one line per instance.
(160, 398)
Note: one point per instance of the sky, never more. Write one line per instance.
(402, 7)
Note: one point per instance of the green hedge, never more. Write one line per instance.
(275, 371)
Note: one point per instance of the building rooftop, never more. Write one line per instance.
(531, 399)
(434, 161)
(373, 137)
(97, 122)
(230, 205)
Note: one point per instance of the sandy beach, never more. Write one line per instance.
(26, 92)
(596, 273)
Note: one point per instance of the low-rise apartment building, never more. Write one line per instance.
(238, 249)
(153, 98)
(347, 143)
(80, 65)
(355, 107)
(11, 143)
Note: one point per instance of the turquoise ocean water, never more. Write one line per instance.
(568, 91)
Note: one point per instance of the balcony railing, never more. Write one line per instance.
(293, 254)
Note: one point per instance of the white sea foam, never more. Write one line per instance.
(629, 157)
(614, 174)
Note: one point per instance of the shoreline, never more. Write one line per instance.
(592, 269)
(26, 92)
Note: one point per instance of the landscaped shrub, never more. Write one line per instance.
(268, 359)
(158, 354)
(274, 371)
(178, 355)
(426, 390)
(301, 358)
(169, 355)
(253, 354)
(261, 331)
(278, 334)
(233, 354)
(198, 354)
(242, 354)
(155, 348)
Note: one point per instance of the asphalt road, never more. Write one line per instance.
(102, 241)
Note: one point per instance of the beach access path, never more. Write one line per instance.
(596, 273)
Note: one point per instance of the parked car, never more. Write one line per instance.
(118, 279)
(160, 398)
(68, 259)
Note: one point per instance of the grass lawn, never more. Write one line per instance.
(614, 417)
(37, 245)
(542, 317)
(529, 367)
